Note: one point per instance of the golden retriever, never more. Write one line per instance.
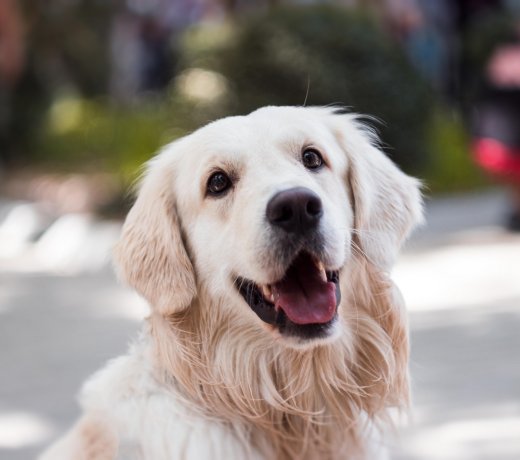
(263, 244)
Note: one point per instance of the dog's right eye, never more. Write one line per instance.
(312, 159)
(218, 184)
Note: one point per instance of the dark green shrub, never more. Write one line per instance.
(451, 168)
(66, 47)
(96, 136)
(318, 55)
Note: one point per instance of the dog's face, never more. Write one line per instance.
(267, 216)
(261, 212)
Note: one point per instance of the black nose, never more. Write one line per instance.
(295, 210)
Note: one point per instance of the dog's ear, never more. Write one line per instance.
(151, 256)
(387, 203)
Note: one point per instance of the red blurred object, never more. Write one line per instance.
(497, 158)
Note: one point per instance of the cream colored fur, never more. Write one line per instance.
(208, 379)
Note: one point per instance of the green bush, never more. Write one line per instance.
(451, 168)
(66, 46)
(318, 55)
(314, 54)
(96, 136)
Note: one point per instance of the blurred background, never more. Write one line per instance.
(90, 89)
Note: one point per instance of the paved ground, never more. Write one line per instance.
(62, 315)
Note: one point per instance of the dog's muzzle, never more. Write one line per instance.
(304, 301)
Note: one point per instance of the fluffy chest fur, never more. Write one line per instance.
(199, 393)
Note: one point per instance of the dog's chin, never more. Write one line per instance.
(298, 341)
(302, 306)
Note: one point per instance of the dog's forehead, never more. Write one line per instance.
(265, 132)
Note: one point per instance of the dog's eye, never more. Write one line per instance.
(312, 159)
(218, 183)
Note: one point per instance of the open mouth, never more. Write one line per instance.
(303, 303)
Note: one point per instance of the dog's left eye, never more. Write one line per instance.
(312, 159)
(218, 184)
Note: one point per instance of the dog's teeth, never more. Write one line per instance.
(323, 273)
(266, 292)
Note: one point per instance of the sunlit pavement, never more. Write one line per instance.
(62, 315)
(464, 300)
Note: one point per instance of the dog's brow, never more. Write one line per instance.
(228, 165)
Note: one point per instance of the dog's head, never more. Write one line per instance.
(264, 212)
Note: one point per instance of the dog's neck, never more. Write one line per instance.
(290, 403)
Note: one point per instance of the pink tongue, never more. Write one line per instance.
(303, 295)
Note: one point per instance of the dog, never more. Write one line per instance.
(263, 244)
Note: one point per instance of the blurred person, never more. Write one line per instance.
(423, 43)
(140, 49)
(12, 60)
(496, 120)
(466, 13)
(496, 123)
(419, 26)
(142, 43)
(492, 104)
(439, 61)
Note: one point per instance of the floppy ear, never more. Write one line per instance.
(387, 203)
(150, 255)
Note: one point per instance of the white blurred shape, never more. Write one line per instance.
(122, 303)
(20, 429)
(62, 242)
(468, 440)
(201, 85)
(22, 223)
(457, 276)
(74, 243)
(96, 249)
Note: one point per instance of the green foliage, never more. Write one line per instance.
(101, 137)
(66, 46)
(318, 55)
(69, 43)
(451, 167)
(313, 54)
